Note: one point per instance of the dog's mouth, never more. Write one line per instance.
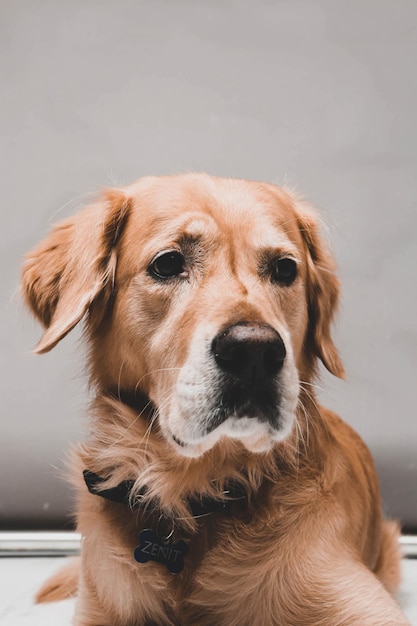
(238, 401)
(241, 412)
(251, 416)
(257, 437)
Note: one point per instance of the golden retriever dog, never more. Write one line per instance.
(213, 489)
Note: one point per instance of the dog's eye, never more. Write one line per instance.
(284, 271)
(167, 265)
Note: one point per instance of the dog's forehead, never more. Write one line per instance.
(199, 205)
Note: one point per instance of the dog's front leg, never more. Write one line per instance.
(255, 580)
(114, 590)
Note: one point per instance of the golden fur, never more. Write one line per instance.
(310, 547)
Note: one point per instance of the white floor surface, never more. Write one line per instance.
(20, 577)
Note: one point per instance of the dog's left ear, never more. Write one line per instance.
(322, 293)
(73, 266)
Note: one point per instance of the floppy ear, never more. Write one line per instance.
(322, 294)
(73, 266)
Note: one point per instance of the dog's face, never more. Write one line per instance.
(211, 297)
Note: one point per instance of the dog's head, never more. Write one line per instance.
(213, 298)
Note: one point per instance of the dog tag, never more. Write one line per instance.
(153, 548)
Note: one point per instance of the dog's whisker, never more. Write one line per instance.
(317, 421)
(152, 372)
(119, 379)
(164, 401)
(304, 383)
(311, 397)
(300, 433)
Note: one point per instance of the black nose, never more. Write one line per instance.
(254, 353)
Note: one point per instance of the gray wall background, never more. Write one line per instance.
(318, 94)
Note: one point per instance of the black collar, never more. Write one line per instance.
(198, 506)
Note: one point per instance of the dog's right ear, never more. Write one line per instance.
(322, 293)
(75, 264)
